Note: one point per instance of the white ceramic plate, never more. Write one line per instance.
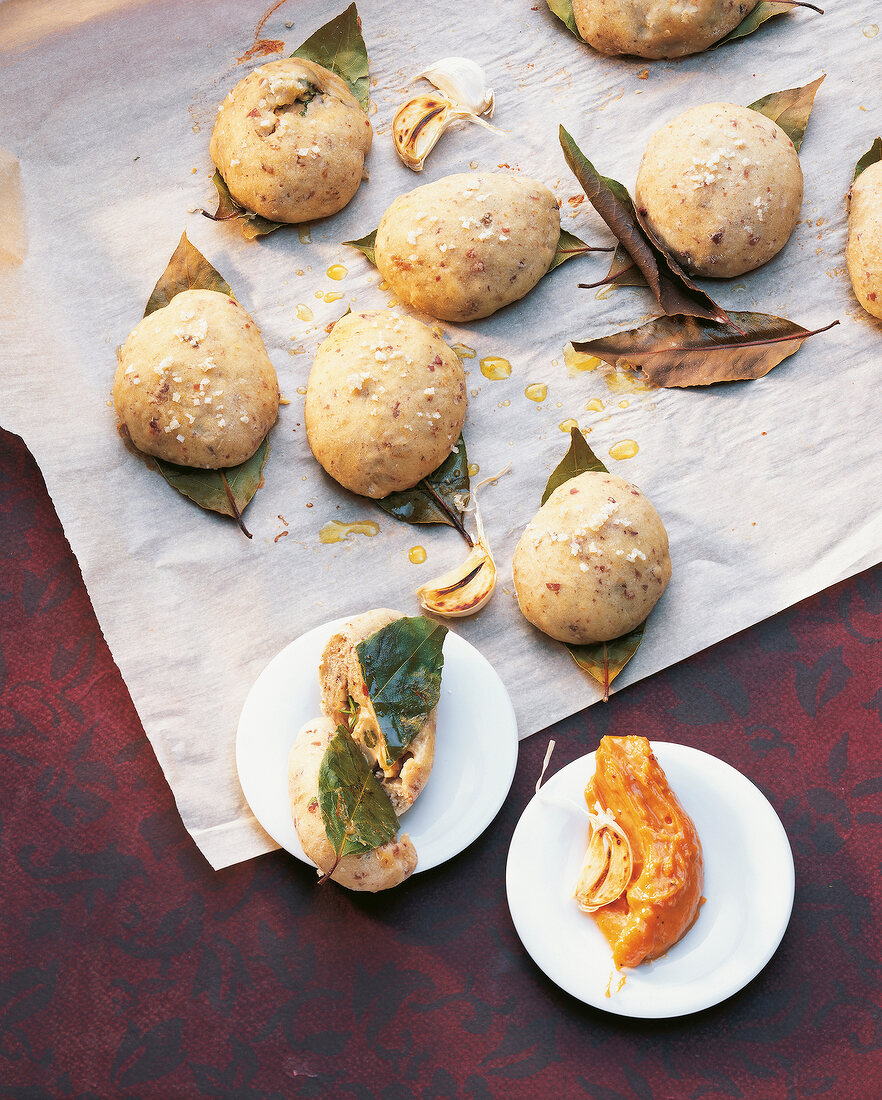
(476, 747)
(748, 884)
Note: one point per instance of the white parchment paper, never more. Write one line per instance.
(769, 489)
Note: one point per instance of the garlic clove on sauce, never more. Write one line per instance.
(463, 82)
(608, 864)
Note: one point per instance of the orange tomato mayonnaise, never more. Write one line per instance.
(663, 896)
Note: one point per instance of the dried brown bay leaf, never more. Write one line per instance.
(687, 351)
(440, 497)
(762, 13)
(603, 661)
(357, 813)
(673, 289)
(790, 109)
(187, 269)
(253, 225)
(872, 156)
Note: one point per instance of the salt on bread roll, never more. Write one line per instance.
(340, 677)
(379, 869)
(721, 187)
(194, 384)
(290, 141)
(864, 250)
(593, 562)
(467, 245)
(385, 402)
(657, 28)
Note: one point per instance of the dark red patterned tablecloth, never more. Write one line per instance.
(128, 968)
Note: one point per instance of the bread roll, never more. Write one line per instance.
(379, 869)
(194, 384)
(593, 562)
(290, 141)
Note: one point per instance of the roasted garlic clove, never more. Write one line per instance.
(463, 82)
(606, 869)
(464, 590)
(420, 122)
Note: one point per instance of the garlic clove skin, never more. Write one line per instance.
(464, 590)
(463, 81)
(419, 123)
(417, 126)
(608, 864)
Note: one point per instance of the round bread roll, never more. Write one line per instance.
(721, 187)
(194, 384)
(385, 402)
(864, 251)
(340, 677)
(464, 246)
(593, 562)
(657, 28)
(379, 869)
(290, 141)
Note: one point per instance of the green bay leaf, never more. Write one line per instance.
(579, 459)
(366, 245)
(872, 156)
(762, 13)
(357, 813)
(401, 665)
(790, 109)
(227, 491)
(339, 46)
(439, 498)
(187, 269)
(603, 661)
(563, 9)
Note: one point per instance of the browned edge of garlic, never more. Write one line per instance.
(606, 869)
(466, 589)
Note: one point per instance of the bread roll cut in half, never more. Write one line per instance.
(385, 402)
(864, 251)
(194, 384)
(721, 187)
(379, 869)
(340, 677)
(290, 141)
(593, 562)
(467, 245)
(657, 28)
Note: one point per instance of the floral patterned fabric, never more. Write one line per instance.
(129, 968)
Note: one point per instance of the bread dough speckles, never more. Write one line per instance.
(194, 384)
(467, 245)
(290, 141)
(721, 187)
(385, 402)
(657, 28)
(593, 562)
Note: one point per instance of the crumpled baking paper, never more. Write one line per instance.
(769, 489)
